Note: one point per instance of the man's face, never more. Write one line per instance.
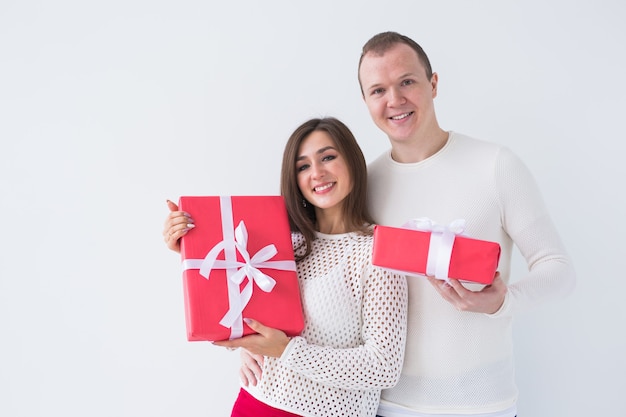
(398, 94)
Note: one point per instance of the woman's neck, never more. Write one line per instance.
(331, 221)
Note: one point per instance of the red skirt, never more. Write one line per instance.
(248, 406)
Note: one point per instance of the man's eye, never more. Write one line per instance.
(377, 91)
(407, 82)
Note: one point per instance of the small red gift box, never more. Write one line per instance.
(439, 251)
(238, 262)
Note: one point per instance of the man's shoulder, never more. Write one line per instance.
(487, 153)
(473, 147)
(467, 140)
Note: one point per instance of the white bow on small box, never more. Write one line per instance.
(441, 243)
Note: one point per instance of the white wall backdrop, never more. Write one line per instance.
(107, 108)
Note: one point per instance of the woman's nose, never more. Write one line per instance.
(317, 170)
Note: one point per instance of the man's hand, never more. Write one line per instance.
(488, 300)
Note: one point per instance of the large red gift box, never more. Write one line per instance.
(238, 262)
(427, 252)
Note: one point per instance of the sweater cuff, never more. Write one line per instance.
(505, 309)
(288, 349)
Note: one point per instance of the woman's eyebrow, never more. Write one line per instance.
(319, 151)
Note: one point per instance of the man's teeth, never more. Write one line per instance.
(323, 187)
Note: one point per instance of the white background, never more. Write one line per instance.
(107, 108)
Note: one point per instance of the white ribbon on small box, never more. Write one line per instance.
(441, 243)
(236, 240)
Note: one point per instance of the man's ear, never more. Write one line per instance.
(434, 81)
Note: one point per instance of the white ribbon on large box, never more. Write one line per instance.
(236, 240)
(441, 243)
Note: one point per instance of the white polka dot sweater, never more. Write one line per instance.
(353, 342)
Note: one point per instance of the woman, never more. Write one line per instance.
(352, 345)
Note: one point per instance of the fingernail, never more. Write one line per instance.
(190, 225)
(247, 320)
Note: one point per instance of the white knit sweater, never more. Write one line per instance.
(353, 342)
(462, 362)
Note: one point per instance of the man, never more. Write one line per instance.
(458, 356)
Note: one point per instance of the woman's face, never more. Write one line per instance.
(322, 172)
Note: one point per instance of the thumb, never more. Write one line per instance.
(497, 282)
(171, 205)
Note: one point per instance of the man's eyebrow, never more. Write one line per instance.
(401, 77)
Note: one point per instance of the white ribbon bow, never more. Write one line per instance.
(236, 270)
(441, 243)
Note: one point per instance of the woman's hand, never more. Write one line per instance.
(250, 371)
(177, 224)
(267, 342)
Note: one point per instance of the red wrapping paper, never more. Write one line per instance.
(207, 300)
(406, 251)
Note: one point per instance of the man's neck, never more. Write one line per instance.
(420, 148)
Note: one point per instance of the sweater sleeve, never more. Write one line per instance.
(526, 220)
(376, 362)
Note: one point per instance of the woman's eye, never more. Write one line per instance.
(301, 168)
(328, 158)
